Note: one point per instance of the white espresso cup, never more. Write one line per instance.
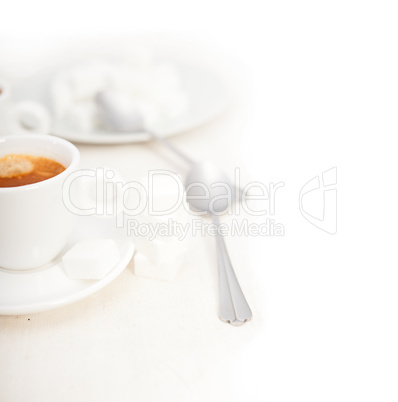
(26, 117)
(34, 222)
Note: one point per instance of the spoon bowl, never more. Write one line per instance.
(208, 188)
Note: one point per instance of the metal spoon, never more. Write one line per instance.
(117, 113)
(207, 177)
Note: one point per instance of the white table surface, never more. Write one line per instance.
(137, 338)
(323, 95)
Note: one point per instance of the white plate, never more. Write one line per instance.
(207, 96)
(49, 287)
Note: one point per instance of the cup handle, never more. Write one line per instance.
(31, 117)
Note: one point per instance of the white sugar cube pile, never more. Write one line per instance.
(91, 259)
(155, 89)
(161, 253)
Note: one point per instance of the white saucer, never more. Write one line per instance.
(49, 287)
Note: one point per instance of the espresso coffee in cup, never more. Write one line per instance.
(34, 221)
(19, 170)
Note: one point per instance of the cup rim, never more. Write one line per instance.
(52, 138)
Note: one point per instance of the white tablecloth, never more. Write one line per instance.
(323, 94)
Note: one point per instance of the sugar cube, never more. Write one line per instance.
(88, 79)
(166, 271)
(82, 116)
(162, 249)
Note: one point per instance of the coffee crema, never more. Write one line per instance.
(19, 170)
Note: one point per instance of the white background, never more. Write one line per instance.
(322, 92)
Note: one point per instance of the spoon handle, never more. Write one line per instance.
(234, 308)
(167, 143)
